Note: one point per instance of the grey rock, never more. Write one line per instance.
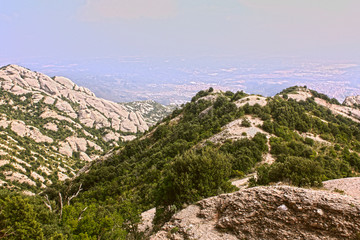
(278, 212)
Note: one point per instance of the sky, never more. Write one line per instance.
(78, 29)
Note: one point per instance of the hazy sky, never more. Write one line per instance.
(111, 28)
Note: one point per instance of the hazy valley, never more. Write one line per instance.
(176, 80)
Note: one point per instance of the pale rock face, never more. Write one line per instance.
(349, 186)
(128, 138)
(19, 167)
(4, 162)
(52, 114)
(18, 90)
(276, 212)
(45, 170)
(235, 131)
(28, 193)
(64, 81)
(49, 100)
(111, 136)
(4, 123)
(62, 176)
(128, 126)
(66, 108)
(349, 112)
(65, 148)
(62, 169)
(37, 98)
(77, 144)
(85, 157)
(352, 100)
(51, 126)
(21, 161)
(21, 129)
(251, 100)
(87, 133)
(2, 183)
(21, 178)
(94, 145)
(301, 95)
(94, 112)
(37, 176)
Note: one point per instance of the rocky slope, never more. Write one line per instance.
(349, 186)
(151, 111)
(352, 101)
(299, 137)
(50, 127)
(349, 110)
(76, 102)
(279, 212)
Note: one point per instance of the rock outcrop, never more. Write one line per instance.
(349, 186)
(279, 212)
(346, 110)
(352, 101)
(48, 122)
(151, 111)
(74, 101)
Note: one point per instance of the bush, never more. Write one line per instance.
(193, 176)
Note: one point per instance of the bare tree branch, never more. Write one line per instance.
(75, 195)
(6, 234)
(47, 203)
(61, 205)
(80, 215)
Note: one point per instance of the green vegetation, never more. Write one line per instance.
(175, 164)
(25, 155)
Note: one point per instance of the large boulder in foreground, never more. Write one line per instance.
(278, 212)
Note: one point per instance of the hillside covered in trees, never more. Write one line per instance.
(298, 137)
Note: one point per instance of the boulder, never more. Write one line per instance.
(277, 212)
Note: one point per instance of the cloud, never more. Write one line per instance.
(99, 10)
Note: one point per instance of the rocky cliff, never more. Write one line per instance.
(75, 101)
(50, 127)
(152, 111)
(279, 212)
(352, 101)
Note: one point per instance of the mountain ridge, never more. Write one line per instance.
(51, 127)
(218, 139)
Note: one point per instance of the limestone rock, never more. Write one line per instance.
(128, 138)
(21, 129)
(52, 114)
(279, 212)
(94, 145)
(65, 148)
(21, 178)
(352, 101)
(111, 136)
(85, 157)
(66, 95)
(62, 176)
(77, 144)
(37, 176)
(251, 100)
(51, 126)
(349, 186)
